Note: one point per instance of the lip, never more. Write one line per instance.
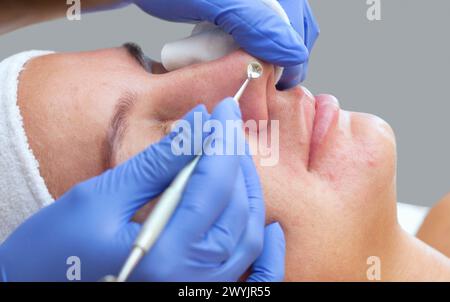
(326, 117)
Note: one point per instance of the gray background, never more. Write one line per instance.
(395, 68)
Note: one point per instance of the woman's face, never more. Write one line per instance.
(86, 112)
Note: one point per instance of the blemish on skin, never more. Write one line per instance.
(372, 163)
(330, 176)
(166, 126)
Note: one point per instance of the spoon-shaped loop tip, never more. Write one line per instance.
(254, 70)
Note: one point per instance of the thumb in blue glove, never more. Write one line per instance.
(270, 266)
(303, 21)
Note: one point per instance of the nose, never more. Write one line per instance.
(211, 82)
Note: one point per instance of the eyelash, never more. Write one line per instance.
(148, 63)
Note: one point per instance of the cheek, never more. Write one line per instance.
(362, 161)
(285, 192)
(139, 135)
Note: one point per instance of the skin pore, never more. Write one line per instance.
(333, 189)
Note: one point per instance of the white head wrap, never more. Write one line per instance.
(22, 189)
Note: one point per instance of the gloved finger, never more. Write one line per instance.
(221, 240)
(250, 246)
(295, 11)
(129, 233)
(259, 30)
(147, 174)
(210, 187)
(312, 29)
(292, 76)
(270, 266)
(304, 22)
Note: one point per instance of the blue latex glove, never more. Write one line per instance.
(269, 267)
(216, 233)
(303, 21)
(254, 26)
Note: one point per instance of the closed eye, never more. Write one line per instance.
(135, 51)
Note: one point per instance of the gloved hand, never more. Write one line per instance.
(216, 233)
(303, 21)
(269, 267)
(253, 25)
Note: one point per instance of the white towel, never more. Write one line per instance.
(207, 43)
(22, 189)
(411, 217)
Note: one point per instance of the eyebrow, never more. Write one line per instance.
(135, 51)
(119, 124)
